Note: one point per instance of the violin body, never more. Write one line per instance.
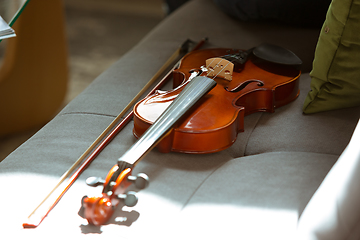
(214, 122)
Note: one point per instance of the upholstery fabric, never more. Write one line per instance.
(259, 186)
(334, 210)
(290, 129)
(254, 197)
(336, 69)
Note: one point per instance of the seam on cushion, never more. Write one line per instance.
(233, 159)
(87, 113)
(199, 186)
(295, 152)
(250, 134)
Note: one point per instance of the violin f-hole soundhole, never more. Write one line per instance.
(242, 85)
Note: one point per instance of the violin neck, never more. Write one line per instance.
(193, 91)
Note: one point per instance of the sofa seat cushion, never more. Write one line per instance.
(178, 182)
(288, 129)
(255, 197)
(197, 194)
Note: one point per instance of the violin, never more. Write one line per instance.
(213, 90)
(244, 86)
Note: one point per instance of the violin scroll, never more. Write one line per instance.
(98, 210)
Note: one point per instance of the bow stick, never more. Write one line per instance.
(34, 219)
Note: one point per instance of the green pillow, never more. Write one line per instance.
(335, 77)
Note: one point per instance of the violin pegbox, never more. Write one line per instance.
(98, 210)
(220, 67)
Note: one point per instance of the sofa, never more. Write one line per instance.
(287, 175)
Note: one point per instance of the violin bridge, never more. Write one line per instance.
(219, 67)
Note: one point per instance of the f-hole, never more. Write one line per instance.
(242, 85)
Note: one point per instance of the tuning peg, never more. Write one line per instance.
(95, 181)
(141, 180)
(130, 199)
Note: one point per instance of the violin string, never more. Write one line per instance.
(222, 69)
(211, 62)
(217, 64)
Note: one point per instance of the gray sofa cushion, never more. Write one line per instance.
(272, 170)
(255, 197)
(291, 130)
(204, 196)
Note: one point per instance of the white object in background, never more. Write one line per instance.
(334, 210)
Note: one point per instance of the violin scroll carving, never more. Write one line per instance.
(98, 210)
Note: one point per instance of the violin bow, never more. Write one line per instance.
(35, 218)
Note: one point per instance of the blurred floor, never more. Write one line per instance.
(99, 33)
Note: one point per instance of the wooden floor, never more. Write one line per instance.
(99, 33)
